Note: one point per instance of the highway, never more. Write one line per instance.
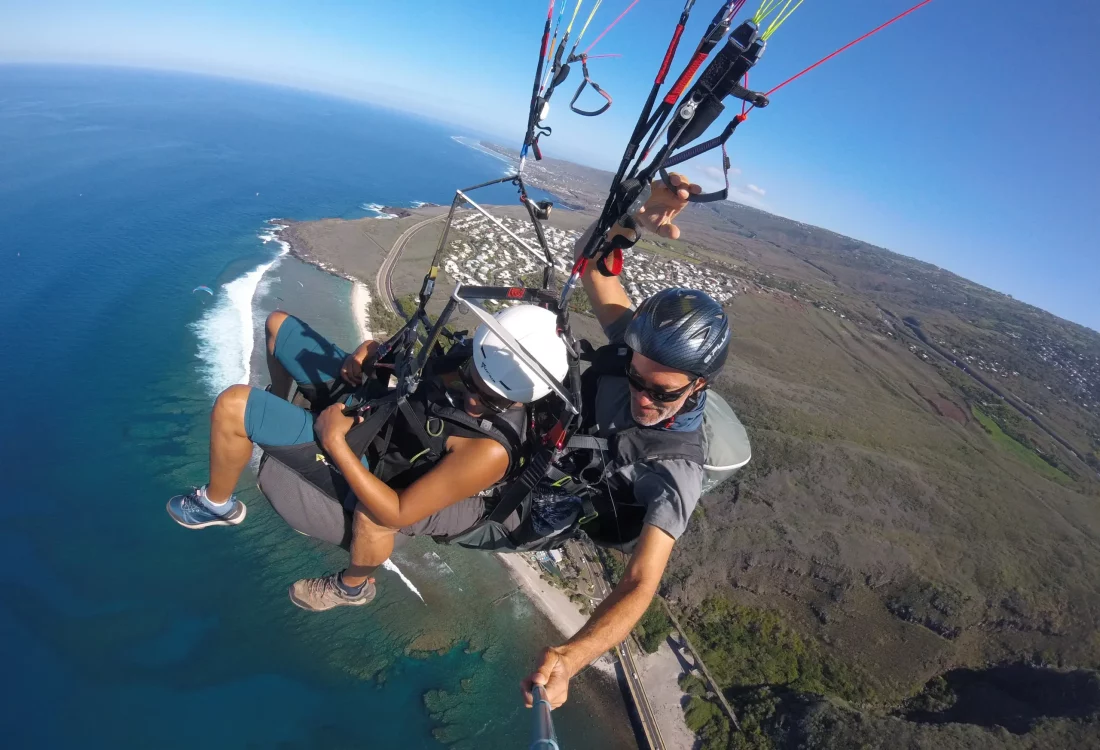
(630, 669)
(383, 281)
(641, 701)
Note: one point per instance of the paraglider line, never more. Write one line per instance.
(850, 44)
(609, 27)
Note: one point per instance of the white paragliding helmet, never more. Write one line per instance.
(536, 329)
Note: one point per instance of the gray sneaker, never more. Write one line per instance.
(319, 594)
(191, 512)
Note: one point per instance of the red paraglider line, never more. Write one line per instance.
(609, 27)
(853, 43)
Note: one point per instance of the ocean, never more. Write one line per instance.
(120, 192)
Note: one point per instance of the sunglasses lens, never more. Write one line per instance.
(664, 397)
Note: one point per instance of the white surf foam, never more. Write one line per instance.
(378, 210)
(360, 309)
(227, 330)
(388, 565)
(476, 146)
(418, 204)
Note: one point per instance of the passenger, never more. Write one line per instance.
(489, 386)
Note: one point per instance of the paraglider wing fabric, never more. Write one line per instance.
(206, 289)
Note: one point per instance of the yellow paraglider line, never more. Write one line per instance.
(584, 28)
(780, 18)
(576, 10)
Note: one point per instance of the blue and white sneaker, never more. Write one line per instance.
(195, 511)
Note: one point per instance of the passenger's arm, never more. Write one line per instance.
(471, 467)
(605, 293)
(612, 620)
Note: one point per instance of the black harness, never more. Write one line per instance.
(591, 466)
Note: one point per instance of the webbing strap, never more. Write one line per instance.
(518, 491)
(595, 87)
(702, 148)
(361, 435)
(418, 428)
(590, 442)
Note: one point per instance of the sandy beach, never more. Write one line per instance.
(552, 602)
(660, 671)
(360, 310)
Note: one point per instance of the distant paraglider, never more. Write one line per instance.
(206, 289)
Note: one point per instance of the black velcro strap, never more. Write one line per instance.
(379, 413)
(718, 141)
(611, 264)
(518, 491)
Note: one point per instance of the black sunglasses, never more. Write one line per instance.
(664, 397)
(494, 402)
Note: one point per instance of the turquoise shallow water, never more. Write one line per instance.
(119, 192)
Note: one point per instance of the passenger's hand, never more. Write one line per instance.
(553, 674)
(332, 424)
(665, 204)
(352, 370)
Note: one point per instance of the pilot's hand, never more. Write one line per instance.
(553, 674)
(665, 204)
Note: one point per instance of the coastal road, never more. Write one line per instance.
(641, 701)
(383, 281)
(630, 669)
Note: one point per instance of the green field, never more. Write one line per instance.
(647, 246)
(1028, 457)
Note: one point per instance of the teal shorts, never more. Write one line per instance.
(314, 362)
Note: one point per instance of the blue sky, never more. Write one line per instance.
(965, 135)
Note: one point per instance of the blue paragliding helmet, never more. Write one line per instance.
(681, 328)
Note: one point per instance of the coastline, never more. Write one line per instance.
(660, 670)
(360, 310)
(285, 230)
(562, 613)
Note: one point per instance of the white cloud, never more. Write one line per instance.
(755, 189)
(741, 194)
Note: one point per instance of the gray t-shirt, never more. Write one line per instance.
(668, 489)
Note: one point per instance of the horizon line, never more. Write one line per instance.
(433, 118)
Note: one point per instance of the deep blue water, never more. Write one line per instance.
(120, 191)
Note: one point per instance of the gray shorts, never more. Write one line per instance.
(315, 500)
(452, 520)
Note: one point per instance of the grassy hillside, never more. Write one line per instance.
(899, 519)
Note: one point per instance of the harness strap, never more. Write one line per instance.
(586, 441)
(497, 428)
(518, 491)
(361, 435)
(420, 430)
